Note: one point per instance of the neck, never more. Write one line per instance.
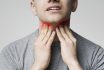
(61, 23)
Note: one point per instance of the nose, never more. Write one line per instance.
(54, 1)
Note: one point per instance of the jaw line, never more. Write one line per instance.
(54, 24)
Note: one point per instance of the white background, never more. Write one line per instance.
(17, 20)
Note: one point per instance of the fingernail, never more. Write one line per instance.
(43, 25)
(56, 29)
(53, 31)
(50, 27)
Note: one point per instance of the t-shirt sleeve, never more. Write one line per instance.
(97, 61)
(9, 58)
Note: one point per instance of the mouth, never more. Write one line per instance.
(54, 8)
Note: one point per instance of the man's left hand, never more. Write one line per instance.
(68, 47)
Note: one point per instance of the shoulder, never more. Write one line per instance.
(85, 43)
(19, 46)
(89, 53)
(12, 56)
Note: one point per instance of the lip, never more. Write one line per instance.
(54, 8)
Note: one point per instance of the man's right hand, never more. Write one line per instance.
(43, 48)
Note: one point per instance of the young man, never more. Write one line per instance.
(54, 46)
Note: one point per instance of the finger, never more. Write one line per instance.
(70, 35)
(45, 29)
(63, 33)
(68, 31)
(47, 35)
(41, 28)
(59, 35)
(50, 40)
(43, 32)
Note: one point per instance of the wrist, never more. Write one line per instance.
(37, 67)
(74, 64)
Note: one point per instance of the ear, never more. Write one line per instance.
(74, 5)
(32, 6)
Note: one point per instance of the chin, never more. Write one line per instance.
(54, 19)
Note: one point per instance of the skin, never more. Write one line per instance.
(59, 32)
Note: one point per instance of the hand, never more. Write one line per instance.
(68, 46)
(43, 48)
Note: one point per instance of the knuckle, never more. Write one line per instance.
(74, 40)
(64, 34)
(42, 43)
(50, 39)
(43, 33)
(48, 34)
(36, 44)
(69, 41)
(62, 41)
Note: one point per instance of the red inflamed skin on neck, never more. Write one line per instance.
(53, 25)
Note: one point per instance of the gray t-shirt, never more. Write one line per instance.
(19, 55)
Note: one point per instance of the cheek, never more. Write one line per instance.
(67, 5)
(39, 7)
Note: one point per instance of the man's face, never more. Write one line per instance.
(52, 10)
